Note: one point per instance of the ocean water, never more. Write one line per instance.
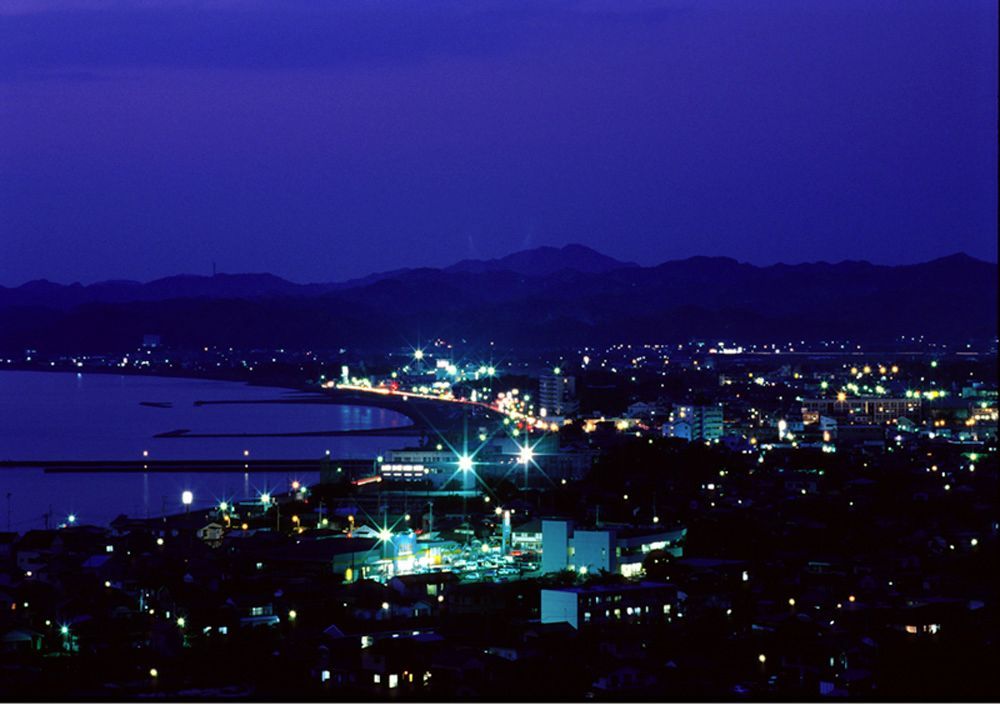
(69, 416)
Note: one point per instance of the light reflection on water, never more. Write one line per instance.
(63, 416)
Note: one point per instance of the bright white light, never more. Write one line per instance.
(187, 497)
(418, 354)
(223, 506)
(525, 455)
(465, 463)
(265, 498)
(71, 518)
(181, 622)
(385, 535)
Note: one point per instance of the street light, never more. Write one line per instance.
(187, 497)
(465, 463)
(525, 455)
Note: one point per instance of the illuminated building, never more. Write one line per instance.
(641, 603)
(695, 422)
(557, 395)
(876, 410)
(611, 550)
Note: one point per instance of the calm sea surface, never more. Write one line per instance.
(67, 416)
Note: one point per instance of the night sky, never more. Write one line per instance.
(325, 140)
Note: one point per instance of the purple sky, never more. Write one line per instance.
(325, 140)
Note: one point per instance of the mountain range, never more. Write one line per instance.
(536, 298)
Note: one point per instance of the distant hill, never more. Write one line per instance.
(543, 261)
(541, 297)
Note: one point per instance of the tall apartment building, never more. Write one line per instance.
(695, 423)
(557, 395)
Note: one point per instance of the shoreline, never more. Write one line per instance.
(318, 394)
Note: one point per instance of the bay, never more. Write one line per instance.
(61, 416)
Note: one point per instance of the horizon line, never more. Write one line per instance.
(625, 264)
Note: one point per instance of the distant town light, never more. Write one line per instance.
(71, 519)
(465, 463)
(418, 354)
